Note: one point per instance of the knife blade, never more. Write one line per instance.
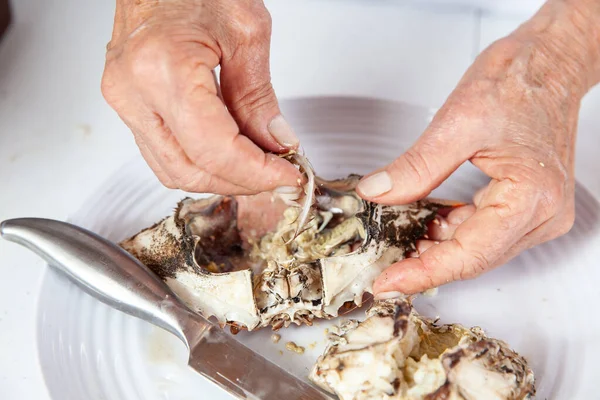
(111, 275)
(237, 369)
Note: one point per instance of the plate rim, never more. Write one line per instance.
(136, 158)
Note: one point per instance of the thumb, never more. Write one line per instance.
(249, 95)
(412, 176)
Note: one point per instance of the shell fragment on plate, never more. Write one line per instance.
(395, 354)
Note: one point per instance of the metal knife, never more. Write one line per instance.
(113, 276)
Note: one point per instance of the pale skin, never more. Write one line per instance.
(513, 115)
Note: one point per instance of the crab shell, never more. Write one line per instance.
(215, 234)
(397, 354)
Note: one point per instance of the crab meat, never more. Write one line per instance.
(397, 354)
(244, 260)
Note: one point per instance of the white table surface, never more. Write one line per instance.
(59, 140)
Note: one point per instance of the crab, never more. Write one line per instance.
(396, 354)
(271, 260)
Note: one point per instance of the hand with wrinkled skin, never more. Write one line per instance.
(158, 77)
(514, 116)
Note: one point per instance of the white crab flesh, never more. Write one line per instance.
(395, 354)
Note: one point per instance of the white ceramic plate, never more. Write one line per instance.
(541, 303)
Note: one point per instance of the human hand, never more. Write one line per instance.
(159, 78)
(514, 116)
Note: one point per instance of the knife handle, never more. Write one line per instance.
(102, 269)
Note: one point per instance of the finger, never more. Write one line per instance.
(154, 165)
(421, 246)
(249, 95)
(424, 244)
(168, 157)
(440, 150)
(161, 152)
(210, 138)
(480, 194)
(537, 236)
(549, 230)
(443, 228)
(477, 245)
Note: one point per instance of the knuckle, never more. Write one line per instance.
(473, 264)
(418, 167)
(107, 86)
(566, 222)
(251, 24)
(164, 178)
(431, 264)
(462, 110)
(208, 161)
(477, 265)
(427, 270)
(145, 55)
(168, 183)
(513, 212)
(263, 22)
(428, 265)
(257, 97)
(200, 182)
(109, 83)
(460, 274)
(509, 214)
(566, 225)
(139, 65)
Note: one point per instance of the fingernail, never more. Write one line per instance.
(376, 185)
(441, 222)
(288, 189)
(282, 132)
(388, 295)
(460, 215)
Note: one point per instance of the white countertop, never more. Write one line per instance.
(59, 140)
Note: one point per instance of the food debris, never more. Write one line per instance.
(275, 338)
(312, 345)
(542, 164)
(280, 352)
(431, 292)
(212, 267)
(291, 346)
(326, 331)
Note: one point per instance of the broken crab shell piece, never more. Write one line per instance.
(232, 257)
(200, 231)
(397, 354)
